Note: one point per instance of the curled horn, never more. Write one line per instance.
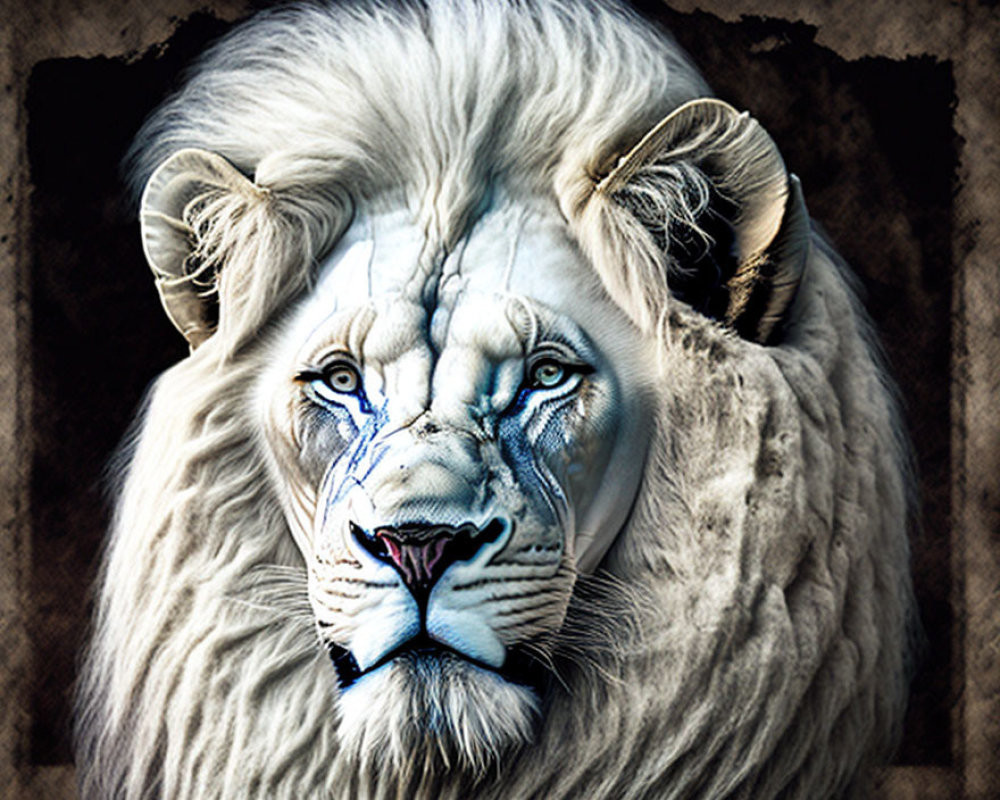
(764, 205)
(175, 194)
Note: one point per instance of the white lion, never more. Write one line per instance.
(530, 445)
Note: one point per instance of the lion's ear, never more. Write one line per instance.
(175, 215)
(710, 186)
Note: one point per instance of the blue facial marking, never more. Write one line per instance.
(361, 458)
(523, 458)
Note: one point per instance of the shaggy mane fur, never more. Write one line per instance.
(763, 645)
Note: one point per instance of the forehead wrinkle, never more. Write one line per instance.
(516, 313)
(421, 285)
(482, 343)
(451, 288)
(451, 268)
(446, 217)
(349, 332)
(325, 292)
(402, 254)
(446, 294)
(532, 322)
(371, 255)
(515, 242)
(358, 328)
(520, 306)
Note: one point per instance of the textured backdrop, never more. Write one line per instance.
(890, 116)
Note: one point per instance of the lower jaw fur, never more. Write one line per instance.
(438, 708)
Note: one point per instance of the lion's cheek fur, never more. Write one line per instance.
(754, 551)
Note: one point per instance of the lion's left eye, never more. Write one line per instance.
(547, 374)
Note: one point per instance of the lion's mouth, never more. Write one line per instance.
(519, 666)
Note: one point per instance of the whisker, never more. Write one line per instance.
(543, 657)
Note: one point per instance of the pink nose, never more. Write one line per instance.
(420, 563)
(421, 553)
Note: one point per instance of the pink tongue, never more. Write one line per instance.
(416, 562)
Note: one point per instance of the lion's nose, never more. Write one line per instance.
(421, 553)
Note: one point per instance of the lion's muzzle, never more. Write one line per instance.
(421, 553)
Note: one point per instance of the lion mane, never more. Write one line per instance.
(737, 624)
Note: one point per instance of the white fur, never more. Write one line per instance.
(747, 634)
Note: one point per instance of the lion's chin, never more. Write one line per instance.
(434, 707)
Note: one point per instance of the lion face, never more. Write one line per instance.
(457, 431)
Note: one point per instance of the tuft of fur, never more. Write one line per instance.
(764, 648)
(434, 709)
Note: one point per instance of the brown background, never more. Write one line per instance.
(889, 113)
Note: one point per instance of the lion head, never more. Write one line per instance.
(531, 444)
(454, 431)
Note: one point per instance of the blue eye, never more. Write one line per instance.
(547, 373)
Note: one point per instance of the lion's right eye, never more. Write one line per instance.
(342, 377)
(334, 381)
